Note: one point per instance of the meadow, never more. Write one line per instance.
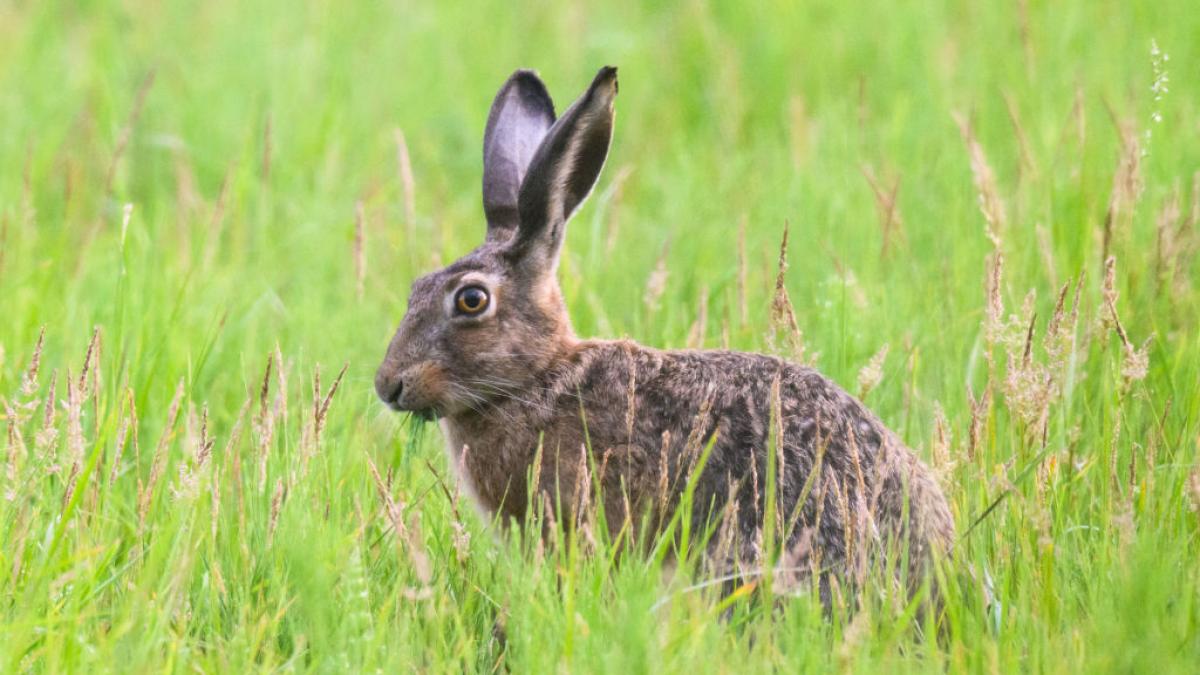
(210, 214)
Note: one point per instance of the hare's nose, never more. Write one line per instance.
(389, 388)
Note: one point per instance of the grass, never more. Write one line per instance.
(192, 196)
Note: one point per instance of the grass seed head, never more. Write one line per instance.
(743, 306)
(1127, 187)
(656, 284)
(89, 366)
(264, 424)
(1193, 220)
(126, 430)
(1193, 488)
(16, 451)
(146, 492)
(29, 382)
(630, 396)
(664, 491)
(612, 222)
(1135, 361)
(990, 202)
(871, 374)
(360, 253)
(1159, 85)
(695, 338)
(783, 315)
(49, 432)
(891, 223)
(75, 447)
(404, 164)
(940, 444)
(980, 412)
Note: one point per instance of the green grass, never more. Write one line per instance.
(266, 123)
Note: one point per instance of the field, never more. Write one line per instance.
(209, 210)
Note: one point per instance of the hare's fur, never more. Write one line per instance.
(513, 383)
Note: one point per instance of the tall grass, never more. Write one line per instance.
(206, 211)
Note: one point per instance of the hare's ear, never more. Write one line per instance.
(521, 115)
(564, 170)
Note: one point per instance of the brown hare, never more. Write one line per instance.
(487, 347)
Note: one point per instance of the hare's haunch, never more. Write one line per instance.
(487, 347)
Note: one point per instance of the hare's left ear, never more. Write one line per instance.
(564, 171)
(521, 115)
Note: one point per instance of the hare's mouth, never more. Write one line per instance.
(425, 414)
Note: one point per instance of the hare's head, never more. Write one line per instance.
(488, 325)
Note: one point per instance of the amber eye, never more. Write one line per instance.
(471, 300)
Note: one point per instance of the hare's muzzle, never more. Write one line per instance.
(390, 387)
(418, 389)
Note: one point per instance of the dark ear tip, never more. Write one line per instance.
(529, 88)
(606, 75)
(526, 76)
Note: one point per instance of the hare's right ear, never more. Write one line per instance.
(563, 173)
(521, 115)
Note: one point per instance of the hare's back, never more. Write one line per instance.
(745, 399)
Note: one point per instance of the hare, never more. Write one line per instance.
(487, 347)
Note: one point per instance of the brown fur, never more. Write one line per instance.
(637, 420)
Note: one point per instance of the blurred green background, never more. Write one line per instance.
(292, 166)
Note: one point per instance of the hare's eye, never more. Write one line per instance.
(471, 300)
